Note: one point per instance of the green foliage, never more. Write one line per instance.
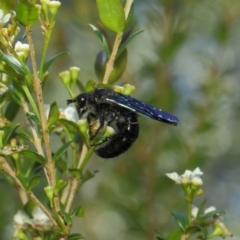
(185, 61)
(112, 15)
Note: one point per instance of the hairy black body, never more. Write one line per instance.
(106, 108)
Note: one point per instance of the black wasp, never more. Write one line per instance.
(105, 107)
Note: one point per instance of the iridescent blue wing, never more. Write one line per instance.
(142, 108)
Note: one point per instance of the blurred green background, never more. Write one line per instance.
(187, 62)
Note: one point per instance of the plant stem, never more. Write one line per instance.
(47, 34)
(118, 39)
(37, 85)
(5, 167)
(85, 155)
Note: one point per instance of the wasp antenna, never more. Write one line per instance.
(69, 101)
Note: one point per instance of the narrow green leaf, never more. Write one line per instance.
(23, 180)
(75, 236)
(75, 172)
(78, 211)
(67, 218)
(8, 133)
(22, 134)
(61, 151)
(102, 38)
(175, 235)
(33, 117)
(61, 165)
(13, 63)
(88, 175)
(181, 220)
(69, 125)
(50, 61)
(60, 185)
(125, 43)
(204, 217)
(53, 115)
(112, 15)
(159, 236)
(33, 155)
(34, 181)
(27, 13)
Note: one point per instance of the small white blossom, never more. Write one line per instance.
(40, 220)
(207, 210)
(21, 46)
(187, 177)
(71, 113)
(175, 177)
(197, 181)
(22, 220)
(22, 49)
(47, 109)
(4, 19)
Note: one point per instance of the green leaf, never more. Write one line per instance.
(90, 86)
(8, 133)
(61, 165)
(67, 218)
(175, 235)
(34, 181)
(33, 155)
(53, 115)
(22, 180)
(159, 236)
(27, 13)
(60, 185)
(118, 68)
(181, 220)
(22, 134)
(13, 63)
(68, 125)
(112, 15)
(88, 175)
(102, 38)
(204, 217)
(193, 229)
(125, 43)
(50, 61)
(75, 236)
(33, 117)
(78, 211)
(61, 151)
(75, 172)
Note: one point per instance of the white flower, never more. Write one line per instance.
(175, 177)
(4, 19)
(207, 210)
(187, 177)
(47, 110)
(22, 49)
(71, 113)
(40, 220)
(22, 220)
(21, 46)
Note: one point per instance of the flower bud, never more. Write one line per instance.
(74, 72)
(49, 190)
(118, 88)
(66, 78)
(220, 229)
(128, 89)
(53, 7)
